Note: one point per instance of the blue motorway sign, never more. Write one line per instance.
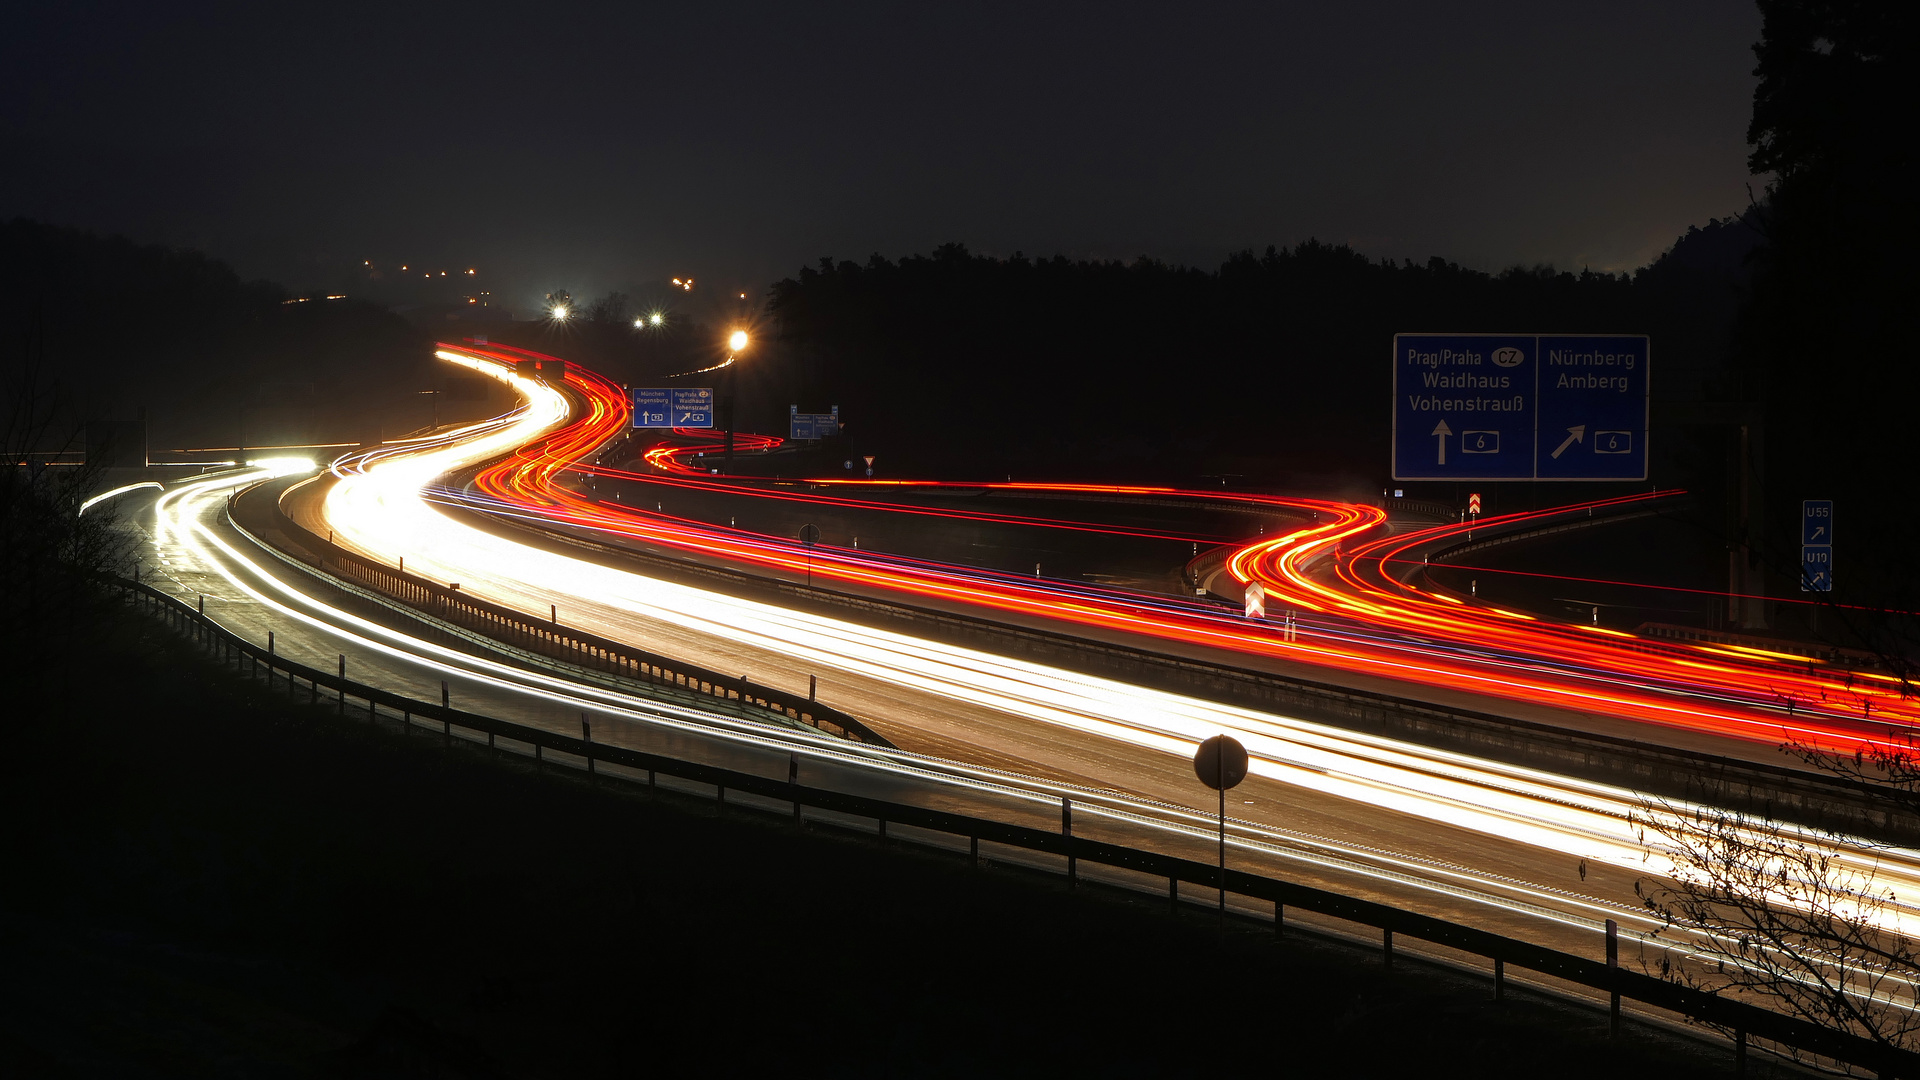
(1816, 521)
(802, 425)
(651, 407)
(1520, 407)
(690, 406)
(1816, 545)
(1816, 569)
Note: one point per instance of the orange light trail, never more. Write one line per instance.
(1332, 567)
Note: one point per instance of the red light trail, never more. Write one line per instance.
(1396, 631)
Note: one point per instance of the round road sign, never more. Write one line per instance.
(1221, 762)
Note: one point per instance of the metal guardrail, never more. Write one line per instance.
(1429, 507)
(549, 637)
(1832, 654)
(1742, 1018)
(1498, 538)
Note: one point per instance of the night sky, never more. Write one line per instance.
(556, 146)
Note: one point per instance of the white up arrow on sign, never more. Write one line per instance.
(1441, 430)
(1574, 435)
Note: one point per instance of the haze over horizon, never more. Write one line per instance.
(595, 150)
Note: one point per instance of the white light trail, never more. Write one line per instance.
(105, 495)
(383, 512)
(180, 516)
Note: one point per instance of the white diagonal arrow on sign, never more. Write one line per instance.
(1575, 434)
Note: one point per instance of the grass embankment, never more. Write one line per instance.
(207, 881)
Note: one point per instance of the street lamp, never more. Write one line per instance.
(736, 344)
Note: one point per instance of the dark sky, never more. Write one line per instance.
(559, 146)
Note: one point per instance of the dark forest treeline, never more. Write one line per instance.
(1826, 340)
(104, 328)
(1793, 316)
(1275, 366)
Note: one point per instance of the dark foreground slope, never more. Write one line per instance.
(207, 881)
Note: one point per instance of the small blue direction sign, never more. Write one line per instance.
(651, 407)
(1816, 522)
(1816, 545)
(690, 406)
(1519, 407)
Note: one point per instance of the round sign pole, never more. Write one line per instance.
(809, 536)
(1223, 854)
(1221, 763)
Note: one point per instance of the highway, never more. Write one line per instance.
(1518, 851)
(1279, 824)
(1470, 839)
(1369, 632)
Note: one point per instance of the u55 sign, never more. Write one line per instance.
(1520, 407)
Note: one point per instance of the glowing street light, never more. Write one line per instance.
(559, 312)
(657, 319)
(736, 343)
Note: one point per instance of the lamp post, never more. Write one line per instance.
(736, 344)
